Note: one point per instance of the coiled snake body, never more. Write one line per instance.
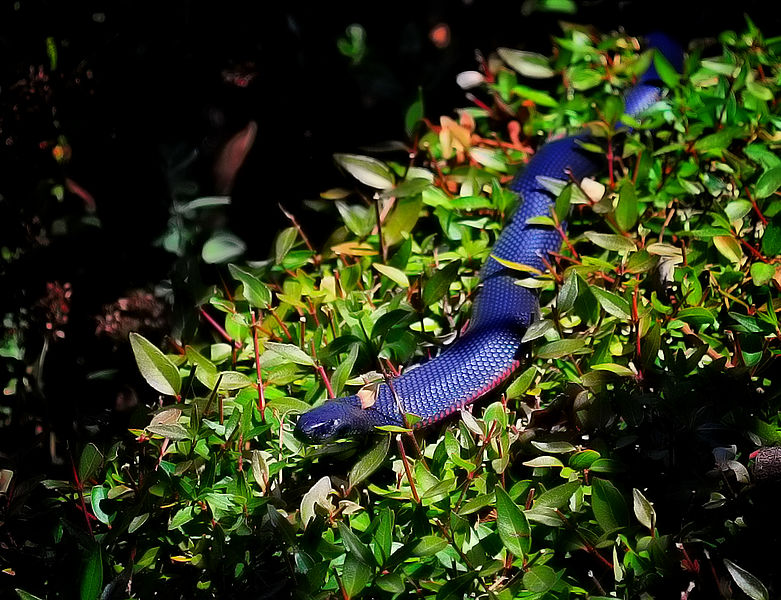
(490, 351)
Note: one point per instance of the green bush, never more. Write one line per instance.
(614, 465)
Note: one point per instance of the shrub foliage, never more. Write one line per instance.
(616, 464)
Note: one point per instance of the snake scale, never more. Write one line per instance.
(491, 349)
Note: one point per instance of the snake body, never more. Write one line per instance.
(491, 349)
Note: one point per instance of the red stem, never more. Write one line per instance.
(261, 393)
(219, 328)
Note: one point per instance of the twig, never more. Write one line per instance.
(219, 328)
(261, 393)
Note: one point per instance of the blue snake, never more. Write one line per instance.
(491, 349)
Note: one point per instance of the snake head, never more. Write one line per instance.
(340, 418)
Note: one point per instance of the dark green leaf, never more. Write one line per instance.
(608, 505)
(768, 182)
(438, 286)
(560, 348)
(558, 496)
(540, 579)
(626, 210)
(512, 524)
(370, 461)
(90, 462)
(354, 545)
(771, 240)
(92, 576)
(429, 545)
(613, 303)
(355, 575)
(610, 241)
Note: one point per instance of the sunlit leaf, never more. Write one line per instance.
(156, 367)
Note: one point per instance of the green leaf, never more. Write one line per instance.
(521, 383)
(528, 64)
(558, 496)
(762, 155)
(667, 72)
(391, 582)
(644, 511)
(612, 303)
(718, 141)
(222, 247)
(626, 209)
(750, 585)
(181, 517)
(284, 242)
(355, 575)
(554, 447)
(318, 495)
(568, 293)
(137, 522)
(562, 203)
(369, 171)
(26, 595)
(768, 182)
(608, 505)
(771, 240)
(536, 96)
(584, 78)
(155, 367)
(537, 330)
(728, 247)
(429, 545)
(489, 157)
(370, 461)
(173, 431)
(584, 459)
(383, 535)
(544, 462)
(354, 545)
(560, 348)
(403, 218)
(539, 579)
(97, 494)
(89, 463)
(342, 372)
(392, 273)
(512, 525)
(761, 273)
(613, 109)
(92, 576)
(438, 286)
(610, 241)
(358, 219)
(289, 352)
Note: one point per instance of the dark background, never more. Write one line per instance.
(140, 85)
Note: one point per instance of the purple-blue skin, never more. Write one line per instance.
(490, 351)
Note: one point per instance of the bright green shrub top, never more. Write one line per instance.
(616, 462)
